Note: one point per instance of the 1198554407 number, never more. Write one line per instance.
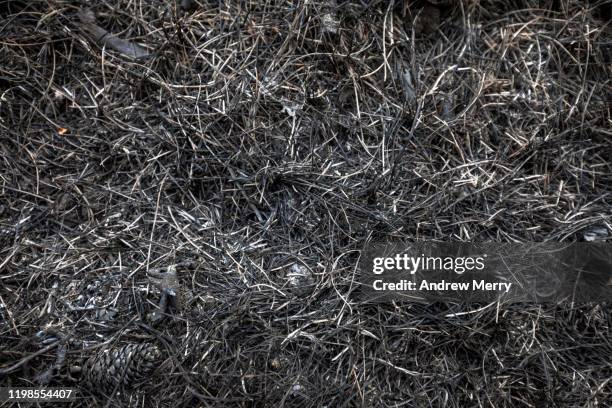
(36, 394)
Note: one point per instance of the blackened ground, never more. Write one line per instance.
(259, 148)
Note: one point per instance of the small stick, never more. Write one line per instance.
(5, 371)
(107, 39)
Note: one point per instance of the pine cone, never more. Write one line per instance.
(119, 368)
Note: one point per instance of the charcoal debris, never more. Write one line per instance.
(599, 233)
(300, 279)
(104, 38)
(330, 23)
(7, 235)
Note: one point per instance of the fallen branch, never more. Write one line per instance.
(107, 39)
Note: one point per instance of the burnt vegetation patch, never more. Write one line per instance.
(195, 181)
